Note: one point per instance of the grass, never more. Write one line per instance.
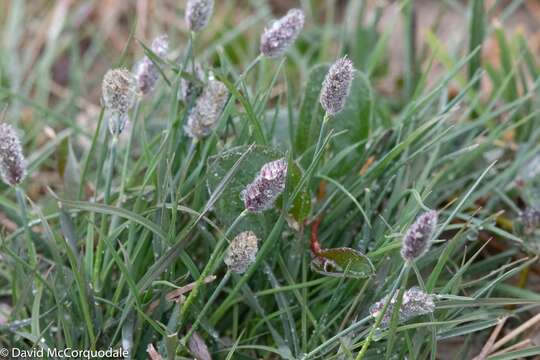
(99, 245)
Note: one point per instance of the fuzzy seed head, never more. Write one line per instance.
(414, 303)
(146, 72)
(119, 90)
(241, 252)
(160, 45)
(281, 34)
(190, 90)
(337, 86)
(417, 240)
(198, 13)
(207, 110)
(12, 162)
(269, 183)
(530, 219)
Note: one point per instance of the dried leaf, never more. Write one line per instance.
(198, 347)
(177, 295)
(152, 352)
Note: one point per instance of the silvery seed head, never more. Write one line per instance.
(190, 90)
(241, 252)
(337, 85)
(417, 240)
(207, 110)
(281, 34)
(146, 72)
(12, 162)
(269, 183)
(530, 219)
(198, 13)
(414, 303)
(117, 122)
(119, 90)
(160, 45)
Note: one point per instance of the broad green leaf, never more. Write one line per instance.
(357, 115)
(476, 38)
(342, 262)
(311, 112)
(230, 205)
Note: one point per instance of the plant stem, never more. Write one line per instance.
(110, 173)
(403, 274)
(206, 271)
(108, 182)
(91, 151)
(315, 245)
(321, 133)
(248, 69)
(209, 303)
(21, 200)
(128, 151)
(336, 337)
(181, 177)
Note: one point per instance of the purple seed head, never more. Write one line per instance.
(337, 86)
(198, 13)
(119, 90)
(530, 219)
(269, 183)
(531, 169)
(207, 110)
(12, 162)
(191, 89)
(160, 45)
(414, 303)
(417, 240)
(146, 72)
(241, 252)
(281, 34)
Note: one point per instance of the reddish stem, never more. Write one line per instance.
(315, 245)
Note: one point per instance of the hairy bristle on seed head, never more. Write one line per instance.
(160, 45)
(12, 162)
(198, 13)
(269, 183)
(281, 34)
(207, 110)
(417, 240)
(241, 252)
(119, 90)
(191, 89)
(415, 302)
(337, 86)
(530, 219)
(146, 72)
